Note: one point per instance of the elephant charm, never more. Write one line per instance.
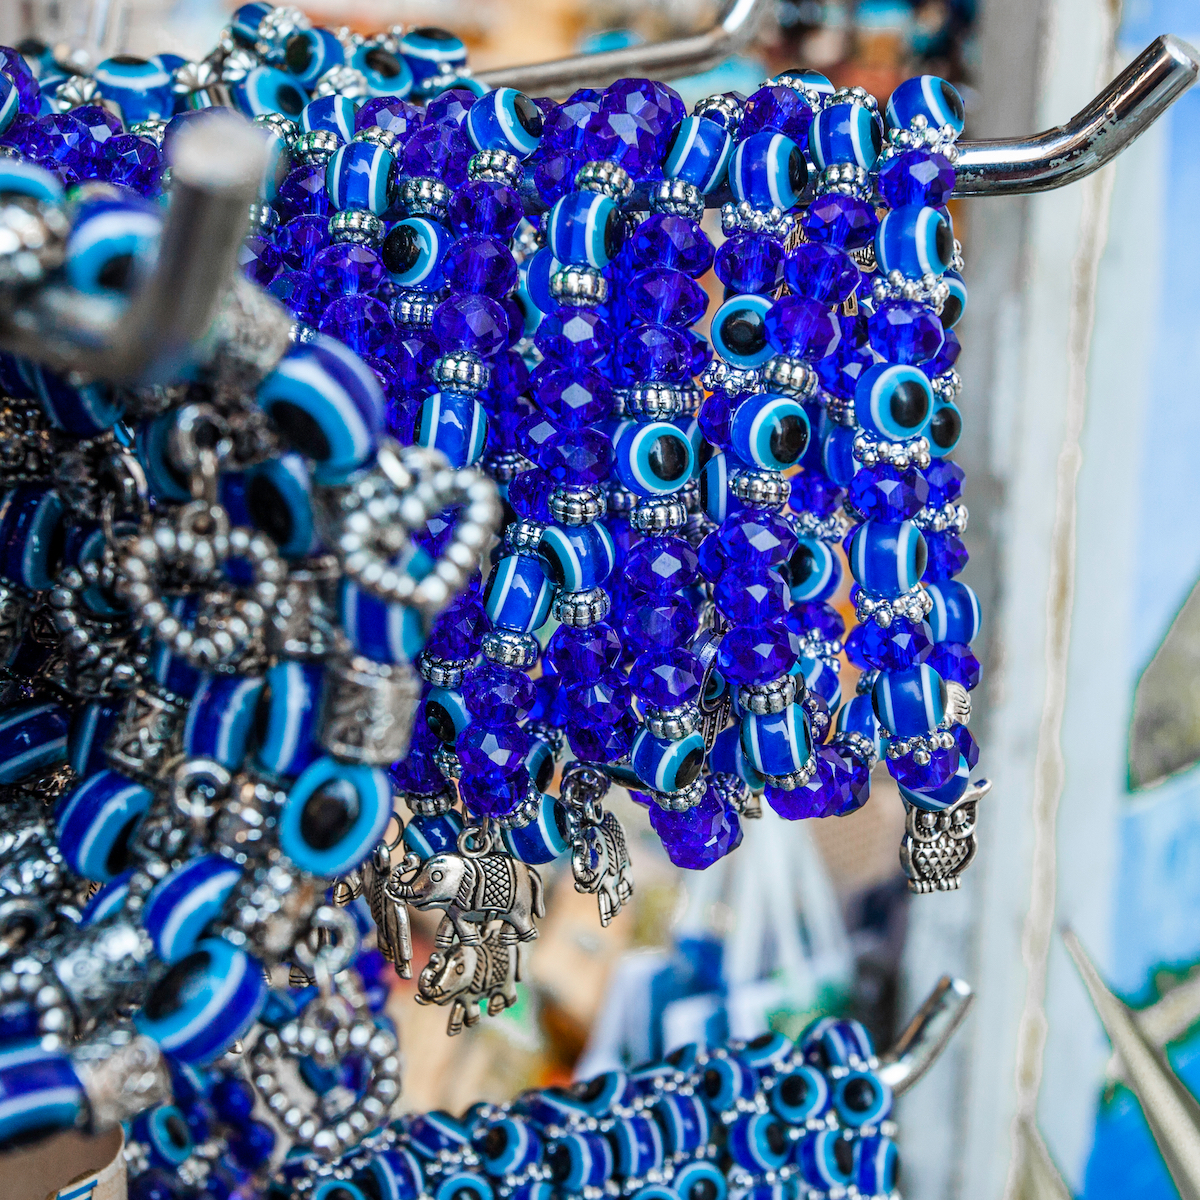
(464, 975)
(938, 846)
(600, 862)
(474, 887)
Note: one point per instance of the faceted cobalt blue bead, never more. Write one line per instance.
(298, 291)
(491, 689)
(816, 617)
(554, 177)
(529, 494)
(577, 456)
(945, 479)
(666, 295)
(802, 328)
(388, 112)
(565, 127)
(778, 108)
(667, 241)
(362, 322)
(750, 263)
(917, 776)
(947, 556)
(946, 356)
(955, 661)
(758, 537)
(301, 240)
(660, 566)
(571, 397)
(575, 336)
(840, 371)
(762, 597)
(499, 747)
(471, 322)
(843, 222)
(703, 835)
(822, 273)
(757, 654)
(302, 193)
(438, 151)
(581, 654)
(345, 269)
(901, 645)
(668, 621)
(666, 676)
(450, 107)
(600, 723)
(259, 260)
(882, 493)
(132, 162)
(916, 177)
(814, 492)
(479, 263)
(653, 353)
(903, 331)
(483, 206)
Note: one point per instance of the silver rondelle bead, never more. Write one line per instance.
(672, 724)
(620, 500)
(358, 226)
(462, 370)
(317, 147)
(263, 218)
(761, 489)
(607, 178)
(448, 762)
(579, 286)
(683, 799)
(677, 198)
(794, 779)
(574, 505)
(442, 672)
(725, 110)
(283, 127)
(76, 92)
(414, 310)
(656, 401)
(721, 377)
(495, 166)
(342, 81)
(664, 515)
(423, 196)
(762, 699)
(579, 610)
(737, 794)
(435, 805)
(376, 135)
(524, 537)
(367, 710)
(507, 648)
(505, 465)
(792, 376)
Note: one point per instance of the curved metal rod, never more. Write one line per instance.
(659, 60)
(216, 168)
(927, 1034)
(1122, 112)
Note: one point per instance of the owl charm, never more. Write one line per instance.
(937, 846)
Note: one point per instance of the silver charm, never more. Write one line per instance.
(393, 935)
(714, 709)
(466, 975)
(367, 710)
(599, 855)
(140, 744)
(123, 1073)
(938, 846)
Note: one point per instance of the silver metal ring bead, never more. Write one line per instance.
(659, 516)
(575, 505)
(763, 699)
(507, 648)
(358, 226)
(761, 489)
(672, 724)
(579, 610)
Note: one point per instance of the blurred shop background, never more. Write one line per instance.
(1081, 368)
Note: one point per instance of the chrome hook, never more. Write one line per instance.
(926, 1035)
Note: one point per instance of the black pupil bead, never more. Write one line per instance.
(876, 136)
(553, 565)
(401, 249)
(945, 241)
(801, 565)
(794, 1090)
(177, 1130)
(859, 1095)
(843, 1155)
(128, 60)
(761, 1042)
(545, 773)
(797, 170)
(118, 856)
(431, 33)
(440, 723)
(909, 404)
(945, 427)
(298, 54)
(290, 100)
(301, 430)
(495, 1141)
(382, 62)
(953, 101)
(178, 985)
(689, 769)
(702, 1189)
(951, 311)
(560, 1163)
(116, 273)
(328, 814)
(712, 1083)
(789, 439)
(743, 331)
(269, 510)
(668, 457)
(776, 1138)
(528, 114)
(614, 234)
(921, 557)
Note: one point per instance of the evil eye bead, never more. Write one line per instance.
(942, 797)
(887, 559)
(835, 1042)
(393, 1174)
(801, 1094)
(727, 757)
(140, 88)
(585, 227)
(759, 1142)
(861, 1098)
(845, 133)
(544, 839)
(929, 97)
(247, 20)
(778, 743)
(536, 272)
(332, 113)
(434, 1132)
(287, 718)
(328, 403)
(83, 411)
(770, 431)
(10, 102)
(431, 53)
(505, 120)
(858, 716)
(39, 1092)
(387, 74)
(183, 904)
(108, 900)
(413, 251)
(714, 488)
(910, 703)
(876, 1164)
(153, 447)
(204, 1003)
(894, 401)
(652, 458)
(724, 1082)
(821, 677)
(446, 714)
(700, 1181)
(767, 170)
(580, 1160)
(826, 1159)
(955, 615)
(814, 572)
(577, 557)
(310, 53)
(837, 454)
(454, 423)
(31, 523)
(699, 153)
(508, 1146)
(765, 1052)
(639, 1145)
(382, 631)
(914, 240)
(221, 717)
(656, 1191)
(25, 179)
(269, 90)
(518, 594)
(95, 822)
(945, 428)
(956, 303)
(278, 499)
(333, 816)
(666, 766)
(463, 1185)
(739, 331)
(685, 1123)
(338, 1189)
(111, 245)
(427, 836)
(816, 85)
(33, 740)
(361, 175)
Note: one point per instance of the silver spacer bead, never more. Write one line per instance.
(579, 286)
(276, 29)
(32, 240)
(719, 376)
(958, 704)
(736, 793)
(376, 135)
(447, 761)
(358, 226)
(525, 812)
(237, 64)
(508, 648)
(677, 198)
(435, 805)
(442, 672)
(496, 166)
(865, 682)
(763, 699)
(743, 217)
(414, 310)
(283, 127)
(423, 196)
(846, 179)
(263, 218)
(579, 610)
(153, 129)
(792, 376)
(462, 370)
(672, 724)
(342, 81)
(607, 178)
(761, 488)
(655, 401)
(554, 737)
(621, 501)
(505, 465)
(859, 745)
(683, 799)
(574, 505)
(854, 95)
(900, 454)
(725, 110)
(77, 91)
(794, 779)
(664, 515)
(524, 537)
(317, 147)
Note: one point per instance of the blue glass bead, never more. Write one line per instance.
(821, 273)
(903, 331)
(699, 153)
(875, 1165)
(579, 654)
(327, 402)
(945, 428)
(800, 1094)
(668, 621)
(700, 1180)
(802, 328)
(814, 617)
(333, 816)
(26, 179)
(39, 1091)
(543, 839)
(361, 322)
(269, 90)
(451, 106)
(668, 241)
(571, 398)
(312, 52)
(508, 1146)
(857, 715)
(485, 206)
(345, 269)
(246, 21)
(638, 1142)
(383, 632)
(663, 294)
(454, 423)
(204, 1003)
(387, 74)
(82, 411)
(132, 162)
(259, 260)
(252, 1143)
(389, 113)
(431, 52)
(600, 727)
(768, 170)
(233, 1099)
(813, 571)
(714, 488)
(288, 718)
(493, 692)
(882, 493)
(577, 558)
(739, 331)
(946, 557)
(945, 480)
(652, 353)
(758, 537)
(278, 500)
(566, 123)
(946, 356)
(185, 902)
(470, 322)
(694, 840)
(90, 727)
(577, 456)
(333, 113)
(842, 222)
(446, 714)
(894, 402)
(427, 836)
(577, 337)
(757, 654)
(505, 120)
(439, 152)
(925, 776)
(955, 662)
(778, 108)
(763, 597)
(939, 797)
(909, 703)
(778, 744)
(956, 303)
(31, 523)
(302, 193)
(361, 176)
(929, 97)
(901, 645)
(477, 263)
(813, 492)
(518, 594)
(141, 89)
(585, 227)
(33, 740)
(916, 177)
(393, 1174)
(580, 1160)
(665, 678)
(835, 1042)
(414, 252)
(220, 718)
(554, 177)
(750, 263)
(915, 241)
(759, 1142)
(111, 243)
(955, 615)
(660, 565)
(302, 239)
(845, 133)
(685, 1124)
(164, 1132)
(825, 1159)
(10, 102)
(652, 458)
(887, 559)
(667, 766)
